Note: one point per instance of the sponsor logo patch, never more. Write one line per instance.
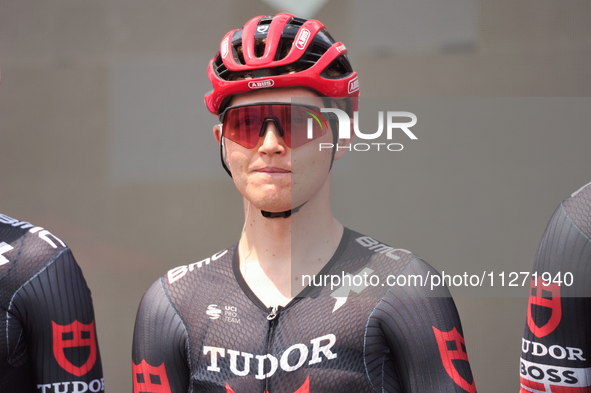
(74, 335)
(353, 85)
(94, 386)
(302, 38)
(213, 311)
(452, 349)
(150, 379)
(180, 271)
(537, 377)
(261, 84)
(243, 364)
(546, 296)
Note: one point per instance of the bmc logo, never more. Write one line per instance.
(42, 233)
(261, 84)
(181, 271)
(302, 39)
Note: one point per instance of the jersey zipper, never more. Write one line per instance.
(273, 314)
(272, 317)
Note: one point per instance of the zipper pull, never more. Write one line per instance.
(273, 314)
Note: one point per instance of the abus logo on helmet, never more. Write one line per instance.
(302, 39)
(261, 84)
(353, 85)
(225, 49)
(213, 311)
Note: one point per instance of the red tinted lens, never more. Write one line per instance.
(243, 125)
(299, 124)
(307, 124)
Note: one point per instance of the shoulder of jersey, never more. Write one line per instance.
(381, 254)
(217, 266)
(25, 247)
(578, 208)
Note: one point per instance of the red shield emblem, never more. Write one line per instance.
(305, 388)
(149, 379)
(74, 335)
(455, 351)
(544, 296)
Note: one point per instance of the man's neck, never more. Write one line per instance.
(275, 252)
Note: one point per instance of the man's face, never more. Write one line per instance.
(273, 176)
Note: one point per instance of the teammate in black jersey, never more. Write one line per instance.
(556, 344)
(47, 332)
(229, 322)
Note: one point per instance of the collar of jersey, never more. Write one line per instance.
(304, 292)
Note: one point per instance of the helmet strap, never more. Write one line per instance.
(284, 214)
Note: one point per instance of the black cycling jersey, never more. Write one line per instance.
(200, 328)
(556, 344)
(47, 333)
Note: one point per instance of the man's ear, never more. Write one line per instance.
(217, 133)
(344, 143)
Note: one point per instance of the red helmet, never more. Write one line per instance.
(280, 51)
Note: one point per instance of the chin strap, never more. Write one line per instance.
(284, 214)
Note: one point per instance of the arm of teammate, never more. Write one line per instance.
(556, 342)
(159, 356)
(54, 311)
(417, 340)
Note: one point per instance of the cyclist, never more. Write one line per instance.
(47, 332)
(246, 319)
(556, 346)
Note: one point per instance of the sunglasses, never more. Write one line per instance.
(297, 124)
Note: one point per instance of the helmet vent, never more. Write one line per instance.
(338, 68)
(283, 48)
(237, 51)
(259, 46)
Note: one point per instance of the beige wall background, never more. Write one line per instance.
(104, 140)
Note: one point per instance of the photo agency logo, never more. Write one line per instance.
(392, 126)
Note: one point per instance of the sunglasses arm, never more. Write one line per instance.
(223, 151)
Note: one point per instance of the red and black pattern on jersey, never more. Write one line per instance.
(212, 334)
(556, 344)
(47, 333)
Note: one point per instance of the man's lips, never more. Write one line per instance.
(272, 170)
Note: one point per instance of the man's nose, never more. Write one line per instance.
(273, 141)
